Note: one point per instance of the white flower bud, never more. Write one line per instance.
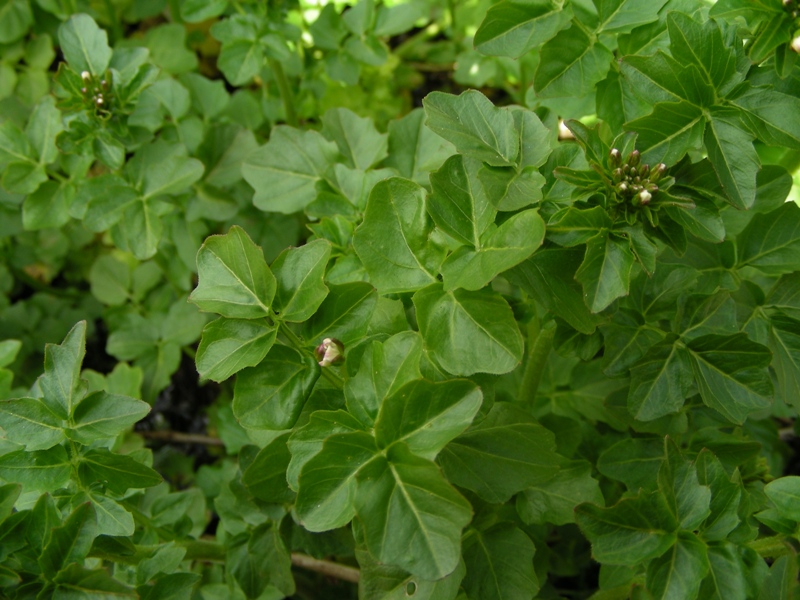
(645, 196)
(330, 351)
(86, 76)
(796, 44)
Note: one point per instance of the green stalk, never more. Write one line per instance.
(540, 342)
(285, 90)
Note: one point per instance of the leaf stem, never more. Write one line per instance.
(179, 437)
(210, 551)
(285, 91)
(540, 342)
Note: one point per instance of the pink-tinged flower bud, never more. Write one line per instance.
(796, 44)
(329, 352)
(658, 172)
(83, 90)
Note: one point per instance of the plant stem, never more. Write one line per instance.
(331, 569)
(285, 91)
(179, 437)
(539, 345)
(208, 551)
(771, 547)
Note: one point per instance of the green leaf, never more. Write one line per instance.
(272, 394)
(60, 383)
(605, 272)
(771, 242)
(415, 150)
(71, 542)
(357, 138)
(327, 482)
(234, 279)
(162, 168)
(704, 46)
(344, 314)
(393, 241)
(412, 516)
(669, 132)
(8, 351)
(259, 560)
(475, 126)
(307, 441)
(634, 461)
(634, 530)
(102, 415)
(16, 18)
(468, 332)
(766, 113)
(678, 481)
(548, 276)
(112, 518)
(458, 204)
(554, 500)
(622, 16)
(784, 493)
(702, 221)
(230, 345)
(573, 226)
(385, 582)
(41, 470)
(513, 27)
(726, 495)
(426, 415)
(570, 64)
(76, 581)
(43, 127)
(499, 564)
(503, 454)
(784, 341)
(781, 582)
(660, 382)
(28, 421)
(735, 161)
(84, 45)
(730, 372)
(679, 572)
(266, 475)
(117, 472)
(500, 249)
(300, 273)
(726, 574)
(285, 171)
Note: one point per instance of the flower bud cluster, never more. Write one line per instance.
(94, 91)
(632, 180)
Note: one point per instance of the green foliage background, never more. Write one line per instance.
(465, 300)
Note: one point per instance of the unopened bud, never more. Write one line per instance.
(645, 197)
(330, 351)
(622, 187)
(626, 168)
(614, 157)
(796, 44)
(85, 75)
(644, 171)
(658, 172)
(99, 101)
(83, 90)
(616, 175)
(634, 158)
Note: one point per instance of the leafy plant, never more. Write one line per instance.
(479, 300)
